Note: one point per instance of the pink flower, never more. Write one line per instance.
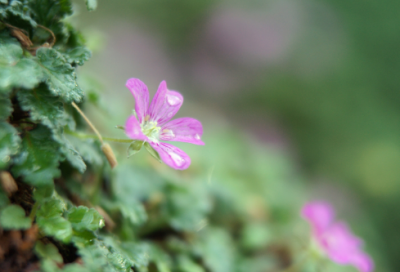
(335, 238)
(153, 123)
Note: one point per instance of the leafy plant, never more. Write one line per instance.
(63, 207)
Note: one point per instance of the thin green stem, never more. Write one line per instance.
(82, 135)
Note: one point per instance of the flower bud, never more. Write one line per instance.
(8, 183)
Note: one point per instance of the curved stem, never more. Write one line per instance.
(88, 121)
(82, 135)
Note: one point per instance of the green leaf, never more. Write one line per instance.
(53, 207)
(4, 201)
(48, 109)
(10, 49)
(16, 71)
(13, 217)
(83, 238)
(152, 152)
(38, 160)
(159, 258)
(9, 143)
(127, 254)
(59, 75)
(185, 264)
(78, 55)
(17, 13)
(5, 106)
(134, 148)
(255, 236)
(44, 192)
(217, 250)
(91, 4)
(87, 149)
(135, 213)
(68, 151)
(50, 221)
(129, 187)
(83, 218)
(182, 216)
(50, 13)
(48, 251)
(43, 107)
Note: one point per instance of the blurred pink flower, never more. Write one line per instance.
(152, 123)
(335, 238)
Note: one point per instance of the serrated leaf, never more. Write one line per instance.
(83, 218)
(38, 160)
(78, 55)
(58, 227)
(152, 151)
(53, 207)
(13, 217)
(59, 75)
(91, 5)
(5, 106)
(50, 13)
(15, 12)
(83, 238)
(68, 151)
(134, 148)
(43, 107)
(87, 149)
(48, 251)
(48, 109)
(126, 254)
(16, 71)
(50, 221)
(44, 192)
(9, 143)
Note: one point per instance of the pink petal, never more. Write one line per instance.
(165, 104)
(141, 94)
(363, 262)
(183, 130)
(340, 243)
(171, 155)
(319, 214)
(133, 129)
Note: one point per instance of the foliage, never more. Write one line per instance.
(239, 215)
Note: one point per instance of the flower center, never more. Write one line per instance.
(150, 129)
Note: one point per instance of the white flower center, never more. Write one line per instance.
(150, 129)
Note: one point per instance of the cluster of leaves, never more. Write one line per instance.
(83, 216)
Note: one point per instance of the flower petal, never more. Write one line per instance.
(340, 243)
(165, 104)
(319, 214)
(141, 94)
(171, 155)
(133, 129)
(363, 262)
(183, 130)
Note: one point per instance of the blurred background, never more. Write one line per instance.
(318, 80)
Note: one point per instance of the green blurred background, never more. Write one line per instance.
(317, 79)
